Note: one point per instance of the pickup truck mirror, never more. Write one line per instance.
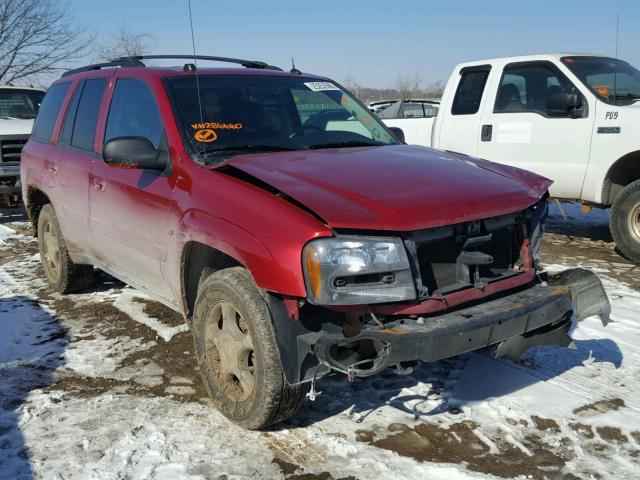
(398, 133)
(563, 103)
(133, 152)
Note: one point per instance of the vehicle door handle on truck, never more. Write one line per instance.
(486, 133)
(53, 169)
(99, 185)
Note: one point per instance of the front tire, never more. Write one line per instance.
(62, 274)
(625, 221)
(237, 354)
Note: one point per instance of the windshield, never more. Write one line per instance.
(17, 103)
(611, 80)
(255, 113)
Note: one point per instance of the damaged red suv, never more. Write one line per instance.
(296, 233)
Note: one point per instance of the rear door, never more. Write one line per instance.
(71, 163)
(460, 119)
(130, 208)
(518, 129)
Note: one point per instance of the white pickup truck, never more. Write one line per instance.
(18, 109)
(572, 118)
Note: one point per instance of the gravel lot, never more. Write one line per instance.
(102, 385)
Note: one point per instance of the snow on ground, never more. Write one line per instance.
(102, 385)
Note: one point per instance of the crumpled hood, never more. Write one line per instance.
(398, 187)
(15, 126)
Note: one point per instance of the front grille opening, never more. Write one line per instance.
(10, 150)
(442, 272)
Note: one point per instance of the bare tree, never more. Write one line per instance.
(125, 43)
(434, 90)
(351, 84)
(37, 38)
(409, 84)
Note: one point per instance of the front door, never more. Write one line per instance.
(130, 208)
(519, 129)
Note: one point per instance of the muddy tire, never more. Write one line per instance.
(237, 354)
(625, 221)
(63, 275)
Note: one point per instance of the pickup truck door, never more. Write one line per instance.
(130, 209)
(459, 119)
(520, 128)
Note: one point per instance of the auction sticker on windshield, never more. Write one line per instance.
(320, 86)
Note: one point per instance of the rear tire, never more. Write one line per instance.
(236, 352)
(625, 221)
(63, 275)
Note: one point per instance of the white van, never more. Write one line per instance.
(18, 109)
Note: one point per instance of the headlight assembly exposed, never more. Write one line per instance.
(540, 211)
(357, 270)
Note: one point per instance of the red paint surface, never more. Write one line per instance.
(397, 187)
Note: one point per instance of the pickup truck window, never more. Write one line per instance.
(43, 126)
(239, 114)
(134, 112)
(469, 92)
(80, 125)
(612, 80)
(527, 88)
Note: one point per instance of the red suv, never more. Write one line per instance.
(296, 233)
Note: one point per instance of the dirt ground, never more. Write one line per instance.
(398, 426)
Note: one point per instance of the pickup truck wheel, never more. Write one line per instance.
(625, 221)
(237, 354)
(63, 275)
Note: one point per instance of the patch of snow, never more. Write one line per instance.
(126, 302)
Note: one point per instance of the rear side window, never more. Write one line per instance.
(134, 113)
(86, 118)
(469, 92)
(43, 126)
(67, 128)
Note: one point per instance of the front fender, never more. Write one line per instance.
(269, 272)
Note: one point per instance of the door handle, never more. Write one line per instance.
(53, 169)
(99, 185)
(486, 133)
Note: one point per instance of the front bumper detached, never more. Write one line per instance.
(539, 315)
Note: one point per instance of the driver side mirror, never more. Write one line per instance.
(398, 133)
(133, 152)
(563, 103)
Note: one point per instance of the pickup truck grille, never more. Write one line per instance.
(11, 149)
(472, 254)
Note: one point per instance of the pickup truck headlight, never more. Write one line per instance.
(357, 271)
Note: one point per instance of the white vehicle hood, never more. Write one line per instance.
(15, 126)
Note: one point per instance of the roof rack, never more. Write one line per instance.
(136, 61)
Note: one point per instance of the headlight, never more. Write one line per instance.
(357, 271)
(539, 211)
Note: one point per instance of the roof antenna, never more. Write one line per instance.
(293, 67)
(195, 63)
(615, 68)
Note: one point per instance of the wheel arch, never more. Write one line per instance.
(624, 171)
(34, 201)
(199, 260)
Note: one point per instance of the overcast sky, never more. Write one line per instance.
(372, 41)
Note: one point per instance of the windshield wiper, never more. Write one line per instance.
(240, 149)
(349, 143)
